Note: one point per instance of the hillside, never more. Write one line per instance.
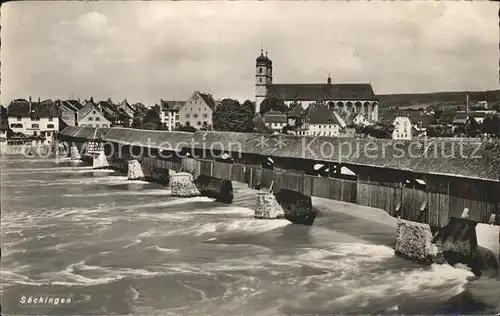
(436, 98)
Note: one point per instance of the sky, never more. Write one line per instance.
(145, 51)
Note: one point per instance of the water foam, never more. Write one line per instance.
(252, 225)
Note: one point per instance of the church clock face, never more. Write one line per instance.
(261, 90)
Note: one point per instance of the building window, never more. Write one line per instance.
(187, 115)
(260, 70)
(199, 123)
(91, 118)
(51, 118)
(35, 133)
(260, 79)
(195, 115)
(50, 125)
(205, 115)
(35, 126)
(97, 118)
(19, 118)
(93, 112)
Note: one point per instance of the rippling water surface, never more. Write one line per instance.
(128, 247)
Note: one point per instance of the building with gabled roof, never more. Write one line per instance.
(275, 120)
(316, 120)
(169, 113)
(196, 111)
(91, 116)
(39, 120)
(339, 97)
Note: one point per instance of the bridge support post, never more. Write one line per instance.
(182, 184)
(267, 207)
(100, 161)
(414, 241)
(135, 170)
(297, 207)
(74, 153)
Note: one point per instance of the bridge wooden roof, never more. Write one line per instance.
(154, 139)
(479, 160)
(83, 132)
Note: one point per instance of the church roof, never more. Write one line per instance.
(322, 91)
(264, 59)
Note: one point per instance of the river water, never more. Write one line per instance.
(127, 247)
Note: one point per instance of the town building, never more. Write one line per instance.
(91, 116)
(38, 120)
(169, 115)
(126, 108)
(69, 110)
(275, 120)
(316, 120)
(196, 111)
(345, 97)
(403, 128)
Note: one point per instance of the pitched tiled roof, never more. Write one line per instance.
(209, 100)
(171, 105)
(322, 91)
(3, 124)
(320, 114)
(274, 117)
(297, 111)
(69, 106)
(447, 118)
(82, 133)
(156, 139)
(45, 108)
(460, 118)
(19, 107)
(424, 119)
(75, 103)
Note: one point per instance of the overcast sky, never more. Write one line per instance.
(150, 50)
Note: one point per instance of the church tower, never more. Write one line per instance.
(263, 78)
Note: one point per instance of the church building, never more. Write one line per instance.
(341, 98)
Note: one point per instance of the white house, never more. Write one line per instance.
(275, 120)
(402, 128)
(39, 120)
(169, 113)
